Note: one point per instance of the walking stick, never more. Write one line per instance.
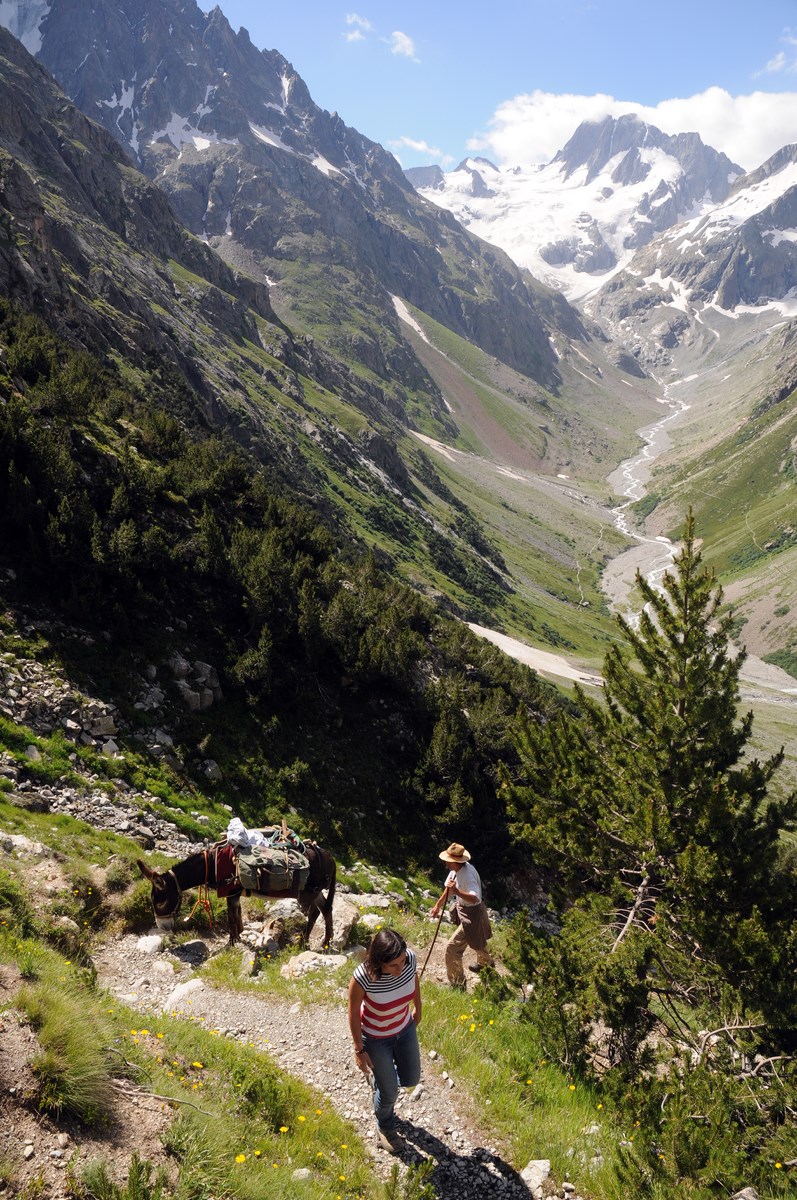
(434, 939)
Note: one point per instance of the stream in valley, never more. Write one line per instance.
(650, 556)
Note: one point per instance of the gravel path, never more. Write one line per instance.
(312, 1041)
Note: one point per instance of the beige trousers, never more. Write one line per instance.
(455, 949)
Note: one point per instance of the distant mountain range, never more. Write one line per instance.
(292, 291)
(644, 230)
(280, 188)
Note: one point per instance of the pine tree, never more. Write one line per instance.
(648, 808)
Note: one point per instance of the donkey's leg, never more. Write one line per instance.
(235, 921)
(312, 916)
(327, 911)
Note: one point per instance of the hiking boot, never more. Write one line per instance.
(480, 966)
(389, 1139)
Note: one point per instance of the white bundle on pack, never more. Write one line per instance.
(239, 835)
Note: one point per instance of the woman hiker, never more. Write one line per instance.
(384, 1011)
(473, 930)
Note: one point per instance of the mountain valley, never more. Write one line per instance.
(322, 486)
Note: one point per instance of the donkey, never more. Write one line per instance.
(199, 870)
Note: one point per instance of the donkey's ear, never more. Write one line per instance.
(146, 871)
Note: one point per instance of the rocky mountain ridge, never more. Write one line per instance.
(739, 258)
(281, 188)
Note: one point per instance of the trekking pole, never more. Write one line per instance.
(434, 939)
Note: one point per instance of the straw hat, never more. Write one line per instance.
(455, 854)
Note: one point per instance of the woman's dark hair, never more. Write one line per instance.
(384, 947)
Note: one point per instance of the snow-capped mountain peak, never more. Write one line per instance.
(577, 220)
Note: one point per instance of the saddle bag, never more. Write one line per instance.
(280, 870)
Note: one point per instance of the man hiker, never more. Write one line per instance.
(473, 930)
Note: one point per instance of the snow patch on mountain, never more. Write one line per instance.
(744, 203)
(317, 160)
(270, 138)
(179, 131)
(25, 21)
(572, 232)
(404, 314)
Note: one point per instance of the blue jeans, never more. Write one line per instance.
(395, 1061)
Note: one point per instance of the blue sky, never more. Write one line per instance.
(511, 79)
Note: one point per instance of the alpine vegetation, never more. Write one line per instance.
(675, 961)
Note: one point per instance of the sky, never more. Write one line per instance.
(510, 80)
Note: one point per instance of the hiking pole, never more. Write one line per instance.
(434, 939)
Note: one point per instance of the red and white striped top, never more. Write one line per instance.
(385, 1009)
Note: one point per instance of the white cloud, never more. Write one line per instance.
(419, 146)
(358, 27)
(360, 22)
(401, 43)
(782, 61)
(778, 63)
(531, 128)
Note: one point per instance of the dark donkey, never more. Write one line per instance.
(199, 870)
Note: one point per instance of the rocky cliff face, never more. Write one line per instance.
(84, 237)
(281, 188)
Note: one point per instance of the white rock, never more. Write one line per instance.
(371, 920)
(151, 943)
(534, 1175)
(308, 960)
(182, 993)
(369, 900)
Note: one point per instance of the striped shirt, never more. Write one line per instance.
(385, 1009)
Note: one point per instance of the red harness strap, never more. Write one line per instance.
(203, 895)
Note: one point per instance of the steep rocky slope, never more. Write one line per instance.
(281, 187)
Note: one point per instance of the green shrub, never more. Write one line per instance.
(119, 874)
(95, 1183)
(70, 1065)
(135, 909)
(16, 912)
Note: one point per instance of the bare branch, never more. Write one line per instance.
(641, 896)
(140, 1095)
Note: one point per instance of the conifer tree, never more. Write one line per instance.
(650, 812)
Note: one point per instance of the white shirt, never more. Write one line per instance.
(466, 879)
